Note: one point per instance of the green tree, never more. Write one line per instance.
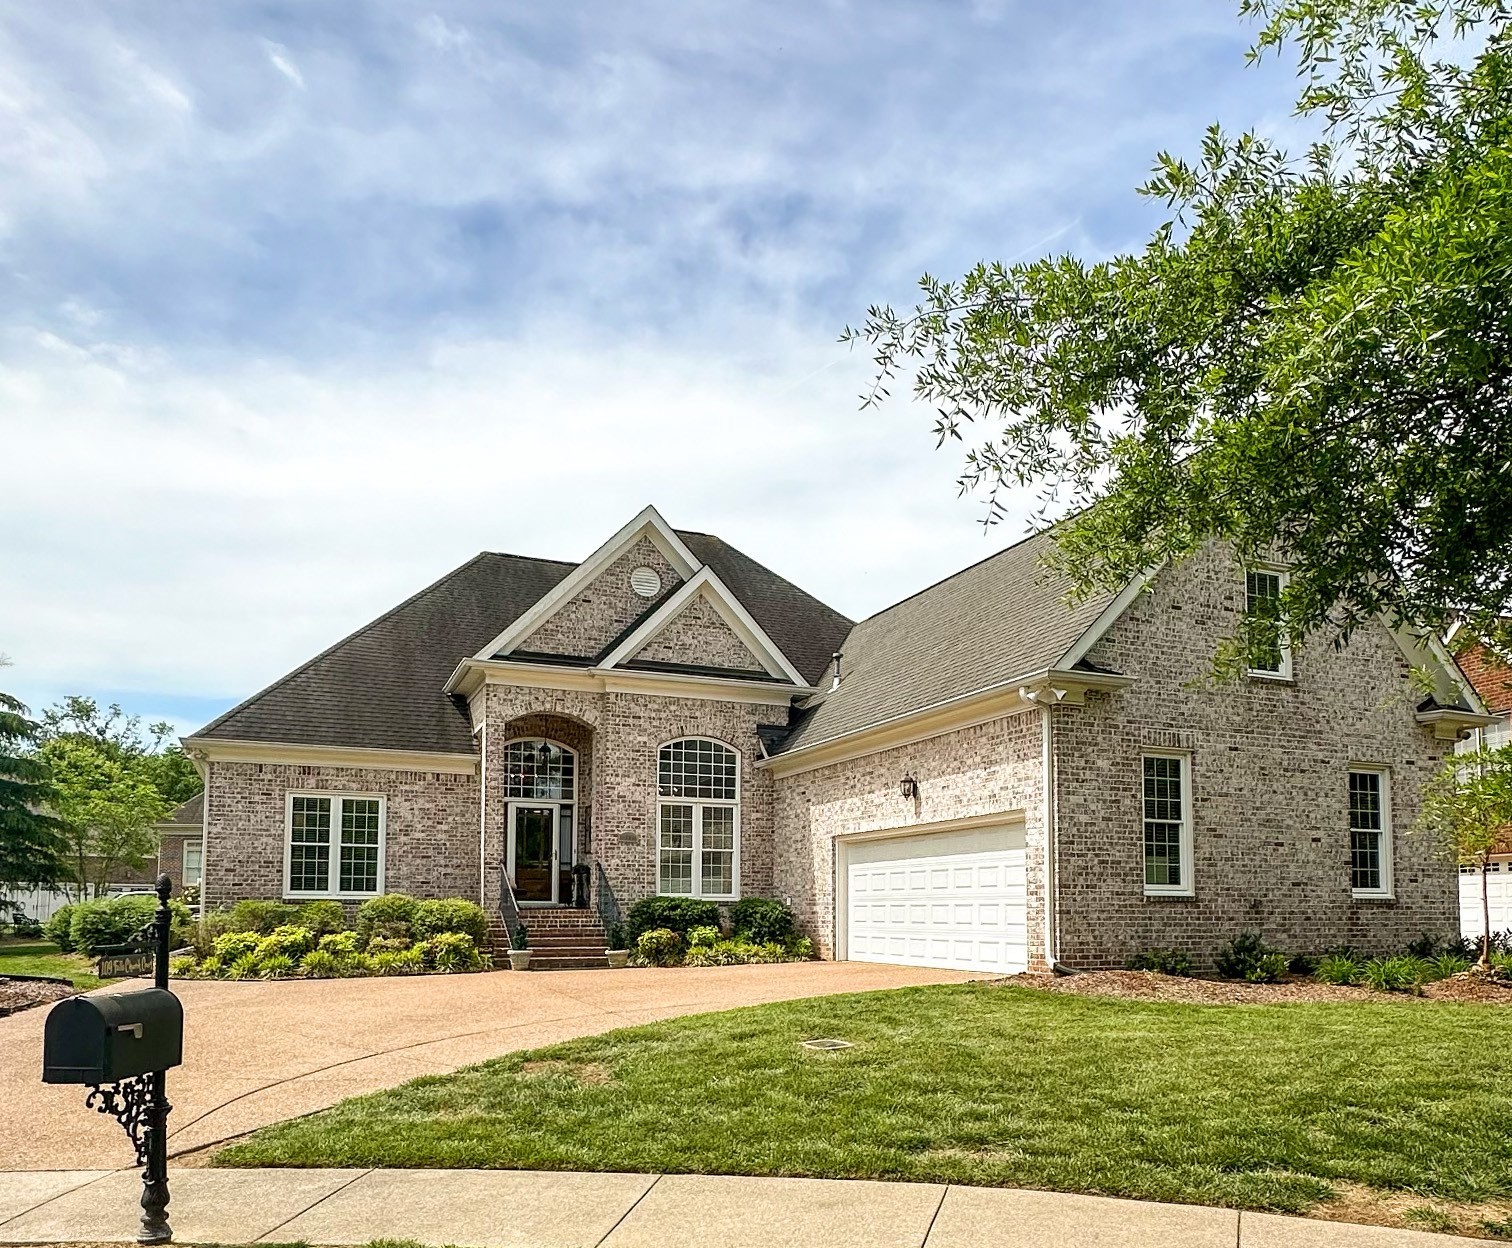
(1467, 808)
(1309, 359)
(122, 736)
(108, 804)
(33, 843)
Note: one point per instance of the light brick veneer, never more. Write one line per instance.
(604, 608)
(1269, 762)
(431, 827)
(988, 769)
(171, 856)
(699, 635)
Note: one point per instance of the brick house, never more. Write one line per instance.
(980, 776)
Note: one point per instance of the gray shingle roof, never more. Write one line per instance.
(381, 688)
(192, 811)
(1004, 617)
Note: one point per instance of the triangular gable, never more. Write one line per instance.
(569, 594)
(705, 592)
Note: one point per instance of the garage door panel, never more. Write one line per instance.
(951, 900)
(1498, 897)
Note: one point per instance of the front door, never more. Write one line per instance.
(532, 853)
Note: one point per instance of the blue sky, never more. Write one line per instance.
(303, 304)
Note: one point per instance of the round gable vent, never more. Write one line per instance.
(645, 582)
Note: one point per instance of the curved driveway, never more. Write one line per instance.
(257, 1052)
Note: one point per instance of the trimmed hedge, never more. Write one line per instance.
(111, 921)
(763, 921)
(674, 914)
(391, 915)
(452, 914)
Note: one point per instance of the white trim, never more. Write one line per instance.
(214, 749)
(706, 584)
(1052, 840)
(648, 522)
(1387, 890)
(1283, 578)
(483, 817)
(1187, 842)
(184, 849)
(1095, 631)
(472, 674)
(698, 804)
(333, 843)
(537, 803)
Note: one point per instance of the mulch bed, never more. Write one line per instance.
(1153, 986)
(22, 994)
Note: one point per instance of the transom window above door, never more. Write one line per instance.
(698, 819)
(539, 770)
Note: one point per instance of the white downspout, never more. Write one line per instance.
(1047, 772)
(483, 815)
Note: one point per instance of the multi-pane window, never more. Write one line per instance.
(1167, 825)
(1369, 834)
(698, 819)
(1269, 654)
(538, 770)
(335, 845)
(194, 860)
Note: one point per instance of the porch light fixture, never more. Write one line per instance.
(910, 786)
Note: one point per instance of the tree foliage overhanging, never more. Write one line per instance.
(1311, 359)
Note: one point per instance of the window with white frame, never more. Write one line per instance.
(335, 845)
(1369, 834)
(1269, 654)
(1167, 825)
(194, 861)
(698, 819)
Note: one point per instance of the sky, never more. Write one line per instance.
(304, 304)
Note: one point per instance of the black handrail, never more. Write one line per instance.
(509, 911)
(604, 898)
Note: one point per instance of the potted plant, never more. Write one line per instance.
(617, 954)
(519, 950)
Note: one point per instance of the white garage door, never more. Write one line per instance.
(1498, 894)
(947, 899)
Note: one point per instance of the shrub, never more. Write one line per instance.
(58, 928)
(1447, 964)
(110, 921)
(320, 964)
(661, 946)
(453, 914)
(1266, 969)
(615, 934)
(520, 938)
(183, 968)
(1302, 964)
(1425, 947)
(25, 926)
(1338, 968)
(450, 952)
(231, 947)
(1166, 961)
(722, 953)
(391, 915)
(763, 920)
(1393, 974)
(244, 967)
(388, 944)
(321, 917)
(256, 915)
(1242, 955)
(210, 968)
(673, 914)
(279, 966)
(340, 945)
(703, 936)
(200, 934)
(407, 962)
(802, 949)
(190, 895)
(289, 941)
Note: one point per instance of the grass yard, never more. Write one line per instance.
(41, 957)
(1263, 1107)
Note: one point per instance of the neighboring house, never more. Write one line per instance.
(984, 777)
(181, 844)
(1492, 679)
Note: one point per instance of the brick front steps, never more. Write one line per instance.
(562, 938)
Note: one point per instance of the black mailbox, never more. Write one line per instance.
(112, 1036)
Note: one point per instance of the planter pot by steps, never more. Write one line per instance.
(519, 959)
(618, 957)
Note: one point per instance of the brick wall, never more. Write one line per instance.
(699, 635)
(991, 768)
(431, 847)
(604, 608)
(1268, 774)
(171, 855)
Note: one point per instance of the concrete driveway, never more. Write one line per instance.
(256, 1053)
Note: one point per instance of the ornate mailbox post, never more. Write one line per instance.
(120, 1045)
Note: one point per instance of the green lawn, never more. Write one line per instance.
(1254, 1106)
(41, 957)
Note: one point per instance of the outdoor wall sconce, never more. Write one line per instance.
(910, 786)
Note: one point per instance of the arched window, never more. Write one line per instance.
(698, 819)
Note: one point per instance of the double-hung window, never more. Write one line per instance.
(194, 859)
(334, 845)
(1269, 651)
(1167, 826)
(698, 819)
(1369, 833)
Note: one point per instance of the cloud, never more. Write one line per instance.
(278, 57)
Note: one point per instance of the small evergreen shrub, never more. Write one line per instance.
(1302, 964)
(279, 966)
(674, 914)
(320, 964)
(391, 915)
(58, 928)
(321, 917)
(115, 921)
(519, 939)
(1266, 969)
(802, 949)
(452, 914)
(1425, 947)
(1243, 955)
(339, 945)
(406, 962)
(1166, 961)
(615, 934)
(450, 953)
(661, 946)
(1338, 968)
(255, 915)
(764, 920)
(289, 941)
(210, 968)
(231, 947)
(388, 944)
(244, 967)
(702, 937)
(183, 968)
(200, 935)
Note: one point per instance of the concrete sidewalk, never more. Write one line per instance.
(531, 1209)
